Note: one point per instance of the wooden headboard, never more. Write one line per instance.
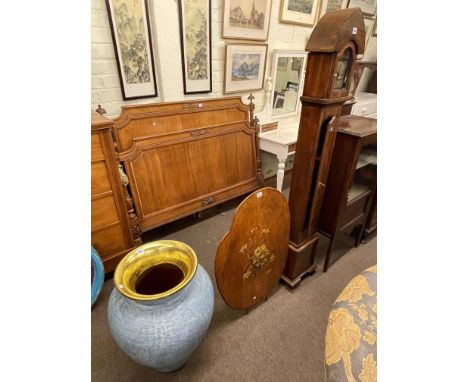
(183, 157)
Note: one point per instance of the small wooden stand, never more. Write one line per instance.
(333, 46)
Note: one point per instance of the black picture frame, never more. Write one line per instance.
(145, 75)
(193, 86)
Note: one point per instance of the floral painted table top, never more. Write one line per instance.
(351, 337)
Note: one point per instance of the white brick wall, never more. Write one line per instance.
(105, 85)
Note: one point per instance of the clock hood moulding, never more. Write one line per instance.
(336, 29)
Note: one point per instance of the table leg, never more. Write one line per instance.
(280, 173)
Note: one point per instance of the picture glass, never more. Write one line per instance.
(333, 5)
(245, 67)
(196, 45)
(247, 14)
(246, 19)
(368, 7)
(299, 11)
(302, 6)
(132, 43)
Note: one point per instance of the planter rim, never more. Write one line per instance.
(148, 255)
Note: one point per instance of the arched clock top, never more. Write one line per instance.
(336, 29)
(333, 47)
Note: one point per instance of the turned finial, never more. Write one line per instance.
(251, 98)
(101, 110)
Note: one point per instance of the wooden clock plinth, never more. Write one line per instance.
(333, 47)
(300, 262)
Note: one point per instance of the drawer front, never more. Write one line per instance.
(100, 182)
(365, 108)
(96, 148)
(109, 241)
(103, 213)
(353, 210)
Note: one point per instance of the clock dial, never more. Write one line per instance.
(343, 69)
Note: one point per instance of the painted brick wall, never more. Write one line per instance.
(105, 86)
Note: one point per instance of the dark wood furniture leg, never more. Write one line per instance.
(327, 257)
(359, 236)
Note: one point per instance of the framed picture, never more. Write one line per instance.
(296, 64)
(195, 44)
(282, 64)
(302, 12)
(244, 67)
(332, 5)
(368, 7)
(246, 19)
(131, 34)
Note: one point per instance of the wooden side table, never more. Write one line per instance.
(352, 180)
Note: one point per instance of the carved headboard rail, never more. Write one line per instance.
(182, 157)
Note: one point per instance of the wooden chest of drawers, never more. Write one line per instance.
(111, 232)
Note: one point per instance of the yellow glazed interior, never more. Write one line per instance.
(138, 261)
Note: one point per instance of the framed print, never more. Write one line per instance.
(244, 67)
(282, 63)
(302, 12)
(246, 19)
(131, 34)
(368, 7)
(195, 45)
(296, 64)
(332, 5)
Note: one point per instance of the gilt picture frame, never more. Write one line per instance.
(246, 19)
(131, 35)
(368, 7)
(300, 12)
(195, 45)
(244, 67)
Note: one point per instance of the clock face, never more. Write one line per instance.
(343, 69)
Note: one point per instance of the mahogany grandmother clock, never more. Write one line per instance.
(333, 46)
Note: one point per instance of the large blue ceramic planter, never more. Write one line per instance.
(162, 304)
